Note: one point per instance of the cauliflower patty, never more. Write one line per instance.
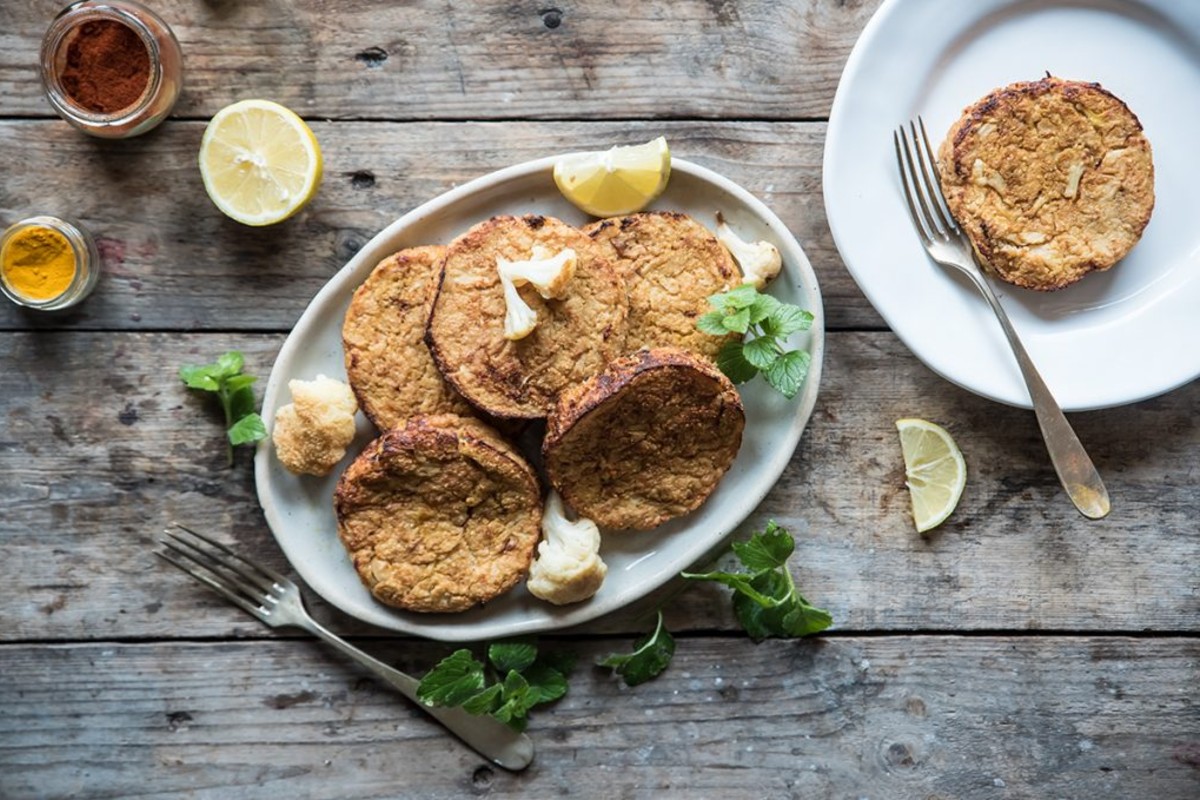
(1049, 179)
(574, 336)
(644, 441)
(387, 362)
(671, 264)
(439, 514)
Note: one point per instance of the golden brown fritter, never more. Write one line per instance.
(1050, 179)
(574, 338)
(383, 337)
(671, 264)
(439, 514)
(644, 441)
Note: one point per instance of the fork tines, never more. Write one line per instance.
(244, 583)
(919, 179)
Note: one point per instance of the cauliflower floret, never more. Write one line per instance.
(311, 433)
(759, 261)
(568, 568)
(547, 273)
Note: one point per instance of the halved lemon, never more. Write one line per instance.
(935, 470)
(622, 180)
(260, 162)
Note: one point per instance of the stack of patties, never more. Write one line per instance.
(593, 331)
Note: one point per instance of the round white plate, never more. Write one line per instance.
(1113, 338)
(299, 510)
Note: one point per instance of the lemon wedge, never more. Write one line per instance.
(935, 470)
(260, 162)
(622, 180)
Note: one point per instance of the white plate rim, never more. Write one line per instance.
(796, 264)
(843, 227)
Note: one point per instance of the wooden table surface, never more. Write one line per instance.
(1019, 651)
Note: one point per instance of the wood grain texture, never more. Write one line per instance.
(892, 717)
(101, 446)
(172, 261)
(490, 60)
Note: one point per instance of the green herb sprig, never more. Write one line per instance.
(765, 600)
(234, 389)
(651, 655)
(767, 322)
(514, 680)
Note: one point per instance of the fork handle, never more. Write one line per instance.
(487, 736)
(1074, 467)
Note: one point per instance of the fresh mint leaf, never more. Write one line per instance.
(456, 679)
(735, 299)
(549, 683)
(737, 323)
(514, 680)
(230, 364)
(200, 377)
(788, 319)
(765, 323)
(508, 656)
(485, 702)
(765, 600)
(740, 582)
(763, 307)
(787, 373)
(517, 697)
(760, 353)
(767, 550)
(651, 655)
(249, 428)
(733, 363)
(712, 323)
(236, 394)
(239, 382)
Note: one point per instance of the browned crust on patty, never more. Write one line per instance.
(1050, 179)
(439, 514)
(646, 440)
(574, 338)
(671, 265)
(383, 337)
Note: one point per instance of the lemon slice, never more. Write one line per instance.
(935, 471)
(260, 162)
(608, 183)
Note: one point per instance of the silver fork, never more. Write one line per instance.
(275, 600)
(949, 246)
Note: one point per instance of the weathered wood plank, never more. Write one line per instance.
(931, 716)
(435, 60)
(172, 261)
(100, 446)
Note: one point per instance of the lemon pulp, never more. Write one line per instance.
(260, 162)
(934, 469)
(621, 180)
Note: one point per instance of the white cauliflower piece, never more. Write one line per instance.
(547, 273)
(312, 432)
(568, 568)
(759, 261)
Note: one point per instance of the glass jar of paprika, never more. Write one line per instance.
(112, 68)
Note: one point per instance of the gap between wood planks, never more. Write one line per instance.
(982, 633)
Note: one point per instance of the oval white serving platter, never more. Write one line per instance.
(299, 509)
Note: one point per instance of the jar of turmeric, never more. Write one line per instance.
(47, 263)
(112, 68)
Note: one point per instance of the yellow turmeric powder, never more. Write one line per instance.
(38, 263)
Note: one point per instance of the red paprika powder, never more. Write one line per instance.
(107, 66)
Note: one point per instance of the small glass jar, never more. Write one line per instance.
(163, 81)
(87, 264)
